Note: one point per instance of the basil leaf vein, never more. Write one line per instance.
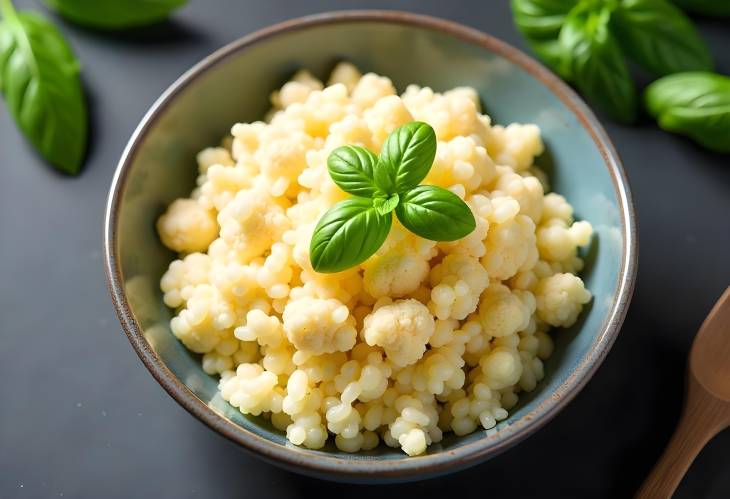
(352, 169)
(696, 104)
(596, 64)
(348, 234)
(406, 157)
(435, 213)
(659, 37)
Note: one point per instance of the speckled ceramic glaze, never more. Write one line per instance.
(234, 84)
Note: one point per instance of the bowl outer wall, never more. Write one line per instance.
(319, 463)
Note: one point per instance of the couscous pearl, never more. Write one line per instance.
(460, 409)
(370, 440)
(443, 295)
(499, 414)
(482, 391)
(413, 442)
(296, 434)
(487, 420)
(463, 426)
(415, 416)
(351, 392)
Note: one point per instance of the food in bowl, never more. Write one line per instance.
(423, 337)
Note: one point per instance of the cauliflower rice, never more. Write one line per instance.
(422, 338)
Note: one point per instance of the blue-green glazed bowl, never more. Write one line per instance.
(233, 85)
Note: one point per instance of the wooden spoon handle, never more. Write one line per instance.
(702, 419)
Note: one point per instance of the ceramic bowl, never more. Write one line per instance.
(233, 85)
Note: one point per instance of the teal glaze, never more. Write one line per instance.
(234, 86)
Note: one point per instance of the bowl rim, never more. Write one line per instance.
(321, 464)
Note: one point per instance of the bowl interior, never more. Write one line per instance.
(236, 88)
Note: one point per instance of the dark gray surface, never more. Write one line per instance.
(81, 417)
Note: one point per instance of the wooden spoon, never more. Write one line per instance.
(707, 404)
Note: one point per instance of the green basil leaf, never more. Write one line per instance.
(659, 37)
(114, 14)
(347, 234)
(541, 19)
(596, 63)
(435, 213)
(695, 104)
(386, 205)
(39, 78)
(707, 7)
(352, 169)
(551, 53)
(406, 157)
(694, 89)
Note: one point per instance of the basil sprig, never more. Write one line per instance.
(695, 104)
(587, 41)
(353, 230)
(39, 78)
(114, 14)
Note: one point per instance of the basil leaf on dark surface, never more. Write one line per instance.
(551, 53)
(435, 213)
(386, 205)
(541, 19)
(354, 229)
(39, 78)
(695, 104)
(596, 63)
(406, 157)
(114, 14)
(659, 37)
(707, 7)
(347, 234)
